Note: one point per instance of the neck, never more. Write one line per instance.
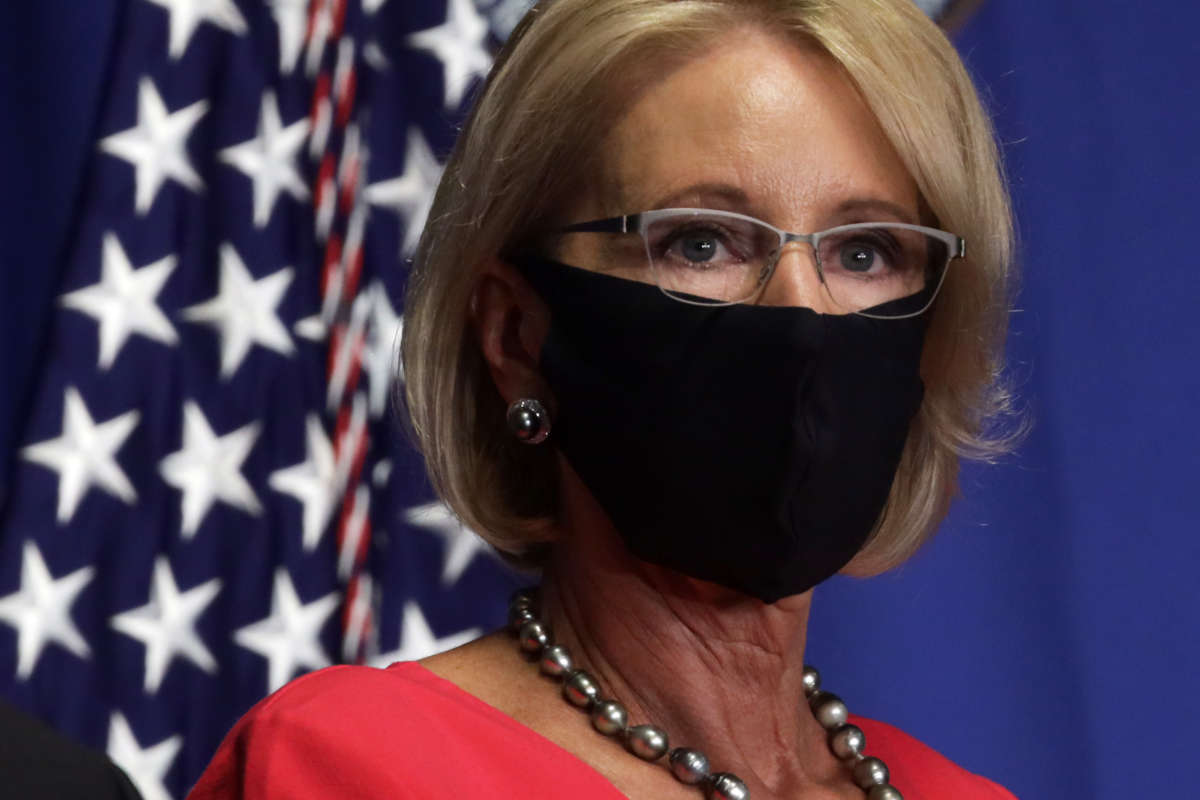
(717, 670)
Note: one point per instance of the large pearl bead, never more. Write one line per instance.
(811, 680)
(580, 689)
(884, 792)
(609, 717)
(829, 710)
(646, 742)
(870, 772)
(518, 616)
(556, 661)
(727, 786)
(689, 766)
(523, 598)
(534, 636)
(847, 741)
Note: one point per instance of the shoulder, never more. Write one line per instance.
(40, 762)
(922, 773)
(356, 696)
(329, 733)
(400, 732)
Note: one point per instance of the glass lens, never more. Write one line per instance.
(709, 256)
(867, 265)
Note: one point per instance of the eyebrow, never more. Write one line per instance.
(869, 209)
(733, 195)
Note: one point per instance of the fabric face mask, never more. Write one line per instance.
(751, 446)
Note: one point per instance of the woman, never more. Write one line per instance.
(624, 369)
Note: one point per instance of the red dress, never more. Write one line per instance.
(406, 734)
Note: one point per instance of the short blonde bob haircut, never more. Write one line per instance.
(565, 75)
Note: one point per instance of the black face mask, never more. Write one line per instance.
(751, 446)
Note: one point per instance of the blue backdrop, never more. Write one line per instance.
(1048, 637)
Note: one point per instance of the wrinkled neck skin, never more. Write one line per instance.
(715, 669)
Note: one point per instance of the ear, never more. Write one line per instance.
(510, 323)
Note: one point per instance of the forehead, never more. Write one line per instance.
(762, 125)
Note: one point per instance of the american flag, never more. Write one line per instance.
(211, 496)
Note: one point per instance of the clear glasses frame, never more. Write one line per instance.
(956, 247)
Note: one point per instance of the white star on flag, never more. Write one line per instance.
(269, 159)
(146, 767)
(167, 624)
(84, 455)
(208, 468)
(244, 311)
(381, 473)
(311, 328)
(186, 16)
(291, 18)
(417, 640)
(462, 544)
(40, 610)
(381, 354)
(313, 481)
(157, 145)
(460, 43)
(123, 301)
(411, 194)
(373, 55)
(289, 638)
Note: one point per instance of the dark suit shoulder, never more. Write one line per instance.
(38, 762)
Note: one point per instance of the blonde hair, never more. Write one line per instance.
(565, 74)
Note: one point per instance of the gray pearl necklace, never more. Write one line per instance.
(650, 743)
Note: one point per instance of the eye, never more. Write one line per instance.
(707, 243)
(700, 247)
(858, 257)
(864, 253)
(697, 248)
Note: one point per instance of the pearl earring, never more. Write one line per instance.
(529, 421)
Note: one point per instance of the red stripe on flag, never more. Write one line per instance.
(357, 443)
(333, 259)
(339, 18)
(354, 272)
(349, 191)
(345, 97)
(320, 92)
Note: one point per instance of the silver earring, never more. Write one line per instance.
(529, 421)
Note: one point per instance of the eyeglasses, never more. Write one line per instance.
(716, 258)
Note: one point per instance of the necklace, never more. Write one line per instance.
(650, 743)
